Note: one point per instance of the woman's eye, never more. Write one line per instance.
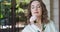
(32, 7)
(38, 6)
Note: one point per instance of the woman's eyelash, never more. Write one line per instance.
(37, 7)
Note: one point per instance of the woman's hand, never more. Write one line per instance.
(32, 19)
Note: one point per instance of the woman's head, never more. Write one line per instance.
(38, 8)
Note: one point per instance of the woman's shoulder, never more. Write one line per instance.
(51, 22)
(26, 28)
(50, 26)
(29, 28)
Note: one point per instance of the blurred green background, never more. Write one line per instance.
(5, 11)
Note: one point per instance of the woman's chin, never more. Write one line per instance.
(37, 15)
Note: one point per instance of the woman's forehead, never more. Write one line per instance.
(35, 3)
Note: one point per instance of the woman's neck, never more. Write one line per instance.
(39, 23)
(38, 20)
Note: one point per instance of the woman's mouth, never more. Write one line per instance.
(35, 12)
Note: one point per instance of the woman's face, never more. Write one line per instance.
(36, 8)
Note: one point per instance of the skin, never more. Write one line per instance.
(36, 10)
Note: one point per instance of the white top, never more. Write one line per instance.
(33, 28)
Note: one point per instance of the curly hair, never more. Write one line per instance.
(44, 17)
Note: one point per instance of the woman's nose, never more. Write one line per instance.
(36, 9)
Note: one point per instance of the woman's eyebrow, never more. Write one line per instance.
(38, 4)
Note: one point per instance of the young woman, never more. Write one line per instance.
(38, 18)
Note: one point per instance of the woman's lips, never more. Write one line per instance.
(35, 12)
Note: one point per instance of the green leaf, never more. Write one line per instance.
(1, 16)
